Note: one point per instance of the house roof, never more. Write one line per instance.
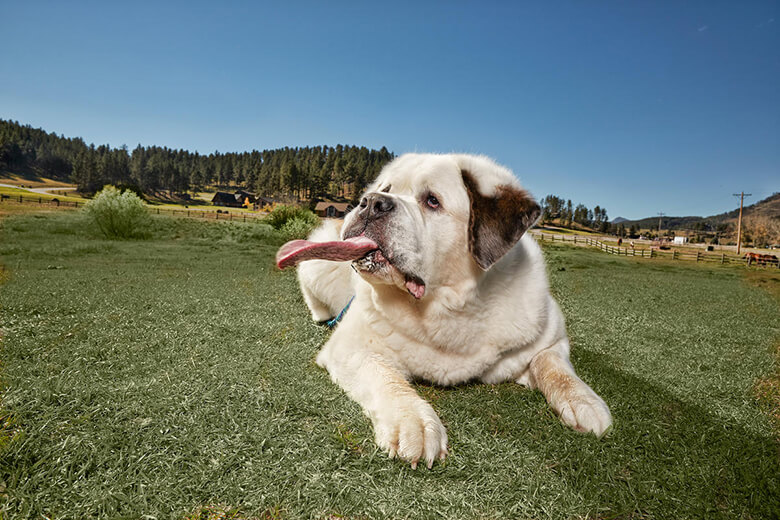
(224, 197)
(340, 206)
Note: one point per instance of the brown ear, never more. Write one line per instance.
(497, 222)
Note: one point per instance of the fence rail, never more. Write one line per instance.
(674, 254)
(191, 213)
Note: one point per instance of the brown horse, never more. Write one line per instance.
(760, 259)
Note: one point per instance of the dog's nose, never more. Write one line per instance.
(376, 204)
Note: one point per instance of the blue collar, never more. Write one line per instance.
(332, 323)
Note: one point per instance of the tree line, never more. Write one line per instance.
(563, 212)
(297, 173)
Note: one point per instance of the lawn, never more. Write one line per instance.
(174, 376)
(31, 195)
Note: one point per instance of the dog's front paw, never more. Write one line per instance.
(586, 412)
(413, 431)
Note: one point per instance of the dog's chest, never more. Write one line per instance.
(451, 349)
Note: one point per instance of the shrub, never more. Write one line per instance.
(118, 214)
(298, 228)
(282, 214)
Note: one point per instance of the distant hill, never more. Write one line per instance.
(618, 220)
(301, 173)
(769, 207)
(761, 222)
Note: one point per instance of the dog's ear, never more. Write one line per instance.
(496, 222)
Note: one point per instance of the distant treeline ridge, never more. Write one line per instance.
(565, 213)
(302, 173)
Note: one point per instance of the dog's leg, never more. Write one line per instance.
(326, 286)
(319, 311)
(404, 423)
(573, 400)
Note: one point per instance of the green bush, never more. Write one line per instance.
(282, 214)
(118, 214)
(298, 227)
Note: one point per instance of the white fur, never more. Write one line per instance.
(496, 325)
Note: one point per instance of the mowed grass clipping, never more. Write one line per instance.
(175, 378)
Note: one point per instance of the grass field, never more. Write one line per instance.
(175, 376)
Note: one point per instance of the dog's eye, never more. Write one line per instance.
(432, 201)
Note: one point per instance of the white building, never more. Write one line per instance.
(680, 240)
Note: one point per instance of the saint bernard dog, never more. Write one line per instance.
(445, 286)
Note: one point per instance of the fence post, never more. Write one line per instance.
(722, 258)
(674, 254)
(697, 255)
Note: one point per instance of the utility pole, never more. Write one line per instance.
(660, 216)
(741, 196)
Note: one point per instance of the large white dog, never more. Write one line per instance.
(448, 288)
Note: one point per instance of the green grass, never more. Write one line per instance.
(558, 230)
(175, 377)
(15, 192)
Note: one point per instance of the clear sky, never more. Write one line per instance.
(640, 107)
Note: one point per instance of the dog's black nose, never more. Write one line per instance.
(375, 205)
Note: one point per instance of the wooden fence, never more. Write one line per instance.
(186, 212)
(674, 254)
(41, 201)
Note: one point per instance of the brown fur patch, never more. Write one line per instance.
(556, 384)
(497, 222)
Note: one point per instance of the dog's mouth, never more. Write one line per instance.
(364, 253)
(375, 261)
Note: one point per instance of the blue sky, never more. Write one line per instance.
(640, 107)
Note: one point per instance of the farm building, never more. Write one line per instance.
(262, 202)
(222, 198)
(331, 209)
(237, 200)
(245, 198)
(680, 240)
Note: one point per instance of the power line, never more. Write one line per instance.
(660, 216)
(741, 196)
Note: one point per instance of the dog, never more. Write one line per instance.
(445, 286)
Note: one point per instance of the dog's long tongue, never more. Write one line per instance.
(338, 250)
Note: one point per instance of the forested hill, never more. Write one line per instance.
(766, 208)
(305, 173)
